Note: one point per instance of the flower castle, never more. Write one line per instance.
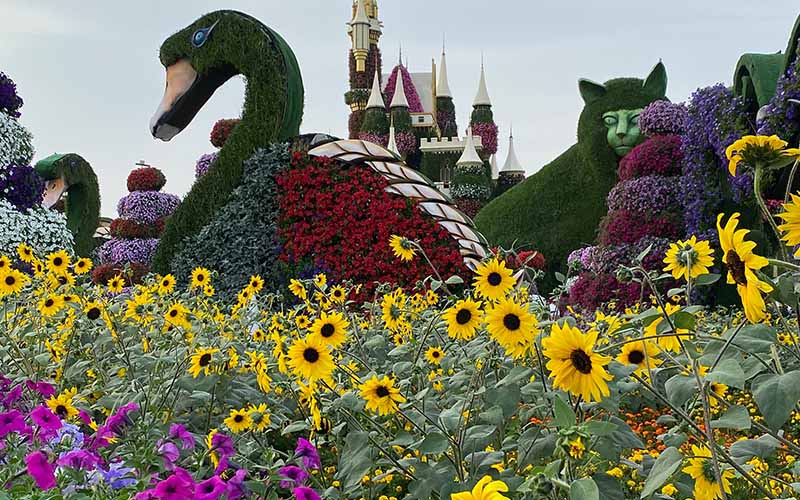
(413, 115)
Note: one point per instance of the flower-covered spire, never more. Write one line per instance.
(375, 97)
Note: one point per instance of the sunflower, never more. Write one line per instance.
(403, 248)
(434, 355)
(136, 308)
(494, 280)
(381, 395)
(166, 284)
(62, 405)
(606, 324)
(93, 310)
(338, 294)
(755, 150)
(486, 489)
(260, 417)
(463, 319)
(66, 279)
(116, 284)
(670, 341)
(576, 448)
(791, 223)
(58, 262)
(176, 316)
(38, 267)
(239, 421)
(201, 361)
(256, 283)
(259, 335)
(309, 358)
(742, 264)
(573, 364)
(510, 323)
(689, 259)
(50, 305)
(320, 280)
(701, 469)
(298, 289)
(25, 252)
(82, 266)
(392, 311)
(12, 282)
(200, 277)
(330, 329)
(302, 321)
(5, 263)
(643, 354)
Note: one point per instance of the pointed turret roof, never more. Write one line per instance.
(443, 85)
(482, 97)
(512, 165)
(361, 14)
(470, 155)
(495, 170)
(376, 97)
(392, 140)
(399, 98)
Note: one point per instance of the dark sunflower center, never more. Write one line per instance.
(463, 316)
(10, 280)
(635, 357)
(436, 354)
(61, 410)
(581, 361)
(58, 261)
(93, 313)
(62, 280)
(327, 330)
(238, 418)
(736, 267)
(49, 303)
(205, 359)
(173, 313)
(311, 355)
(200, 277)
(511, 322)
(337, 293)
(165, 283)
(382, 391)
(494, 279)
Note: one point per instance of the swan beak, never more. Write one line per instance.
(53, 191)
(181, 76)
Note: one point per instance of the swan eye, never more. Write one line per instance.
(200, 37)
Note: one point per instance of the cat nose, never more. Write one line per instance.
(621, 135)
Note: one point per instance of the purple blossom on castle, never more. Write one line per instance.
(203, 164)
(21, 186)
(146, 207)
(488, 134)
(651, 194)
(414, 103)
(10, 101)
(663, 118)
(379, 139)
(406, 142)
(117, 251)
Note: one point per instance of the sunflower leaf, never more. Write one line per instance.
(433, 443)
(776, 397)
(565, 416)
(728, 372)
(584, 489)
(679, 389)
(735, 418)
(706, 279)
(663, 468)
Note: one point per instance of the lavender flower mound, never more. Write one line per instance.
(10, 101)
(716, 119)
(650, 194)
(21, 185)
(379, 139)
(203, 164)
(146, 207)
(782, 117)
(117, 251)
(663, 118)
(607, 259)
(406, 142)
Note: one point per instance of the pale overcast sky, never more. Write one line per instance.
(89, 73)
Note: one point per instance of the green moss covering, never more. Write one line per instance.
(756, 77)
(401, 119)
(558, 209)
(272, 111)
(482, 114)
(432, 164)
(375, 122)
(793, 49)
(82, 203)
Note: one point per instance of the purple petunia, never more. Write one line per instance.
(179, 432)
(21, 186)
(146, 207)
(179, 486)
(663, 118)
(203, 164)
(12, 421)
(653, 194)
(41, 470)
(305, 493)
(10, 101)
(119, 252)
(295, 476)
(308, 452)
(210, 489)
(46, 419)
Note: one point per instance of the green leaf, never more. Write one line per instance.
(683, 319)
(680, 388)
(493, 415)
(776, 397)
(751, 338)
(672, 292)
(565, 416)
(584, 489)
(596, 428)
(455, 280)
(728, 372)
(664, 467)
(477, 432)
(355, 460)
(433, 443)
(609, 486)
(706, 279)
(736, 418)
(763, 447)
(517, 374)
(294, 427)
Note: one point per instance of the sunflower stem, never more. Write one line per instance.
(784, 264)
(757, 178)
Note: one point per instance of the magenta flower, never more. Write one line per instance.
(179, 486)
(295, 476)
(46, 420)
(223, 445)
(170, 453)
(12, 421)
(308, 452)
(79, 459)
(43, 388)
(305, 493)
(146, 495)
(41, 470)
(12, 397)
(210, 489)
(235, 485)
(177, 431)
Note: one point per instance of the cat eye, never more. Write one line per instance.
(610, 120)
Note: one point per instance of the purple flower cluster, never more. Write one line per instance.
(663, 118)
(716, 119)
(782, 116)
(10, 101)
(379, 139)
(487, 131)
(414, 103)
(21, 186)
(406, 142)
(203, 164)
(607, 259)
(120, 252)
(146, 207)
(659, 155)
(650, 194)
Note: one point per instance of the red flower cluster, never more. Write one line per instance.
(129, 229)
(222, 130)
(133, 273)
(340, 220)
(627, 226)
(146, 179)
(530, 258)
(470, 206)
(659, 155)
(591, 289)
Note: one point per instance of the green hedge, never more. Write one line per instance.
(375, 122)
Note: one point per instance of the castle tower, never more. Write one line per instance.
(482, 121)
(445, 109)
(375, 126)
(512, 172)
(495, 170)
(392, 140)
(405, 141)
(471, 183)
(364, 30)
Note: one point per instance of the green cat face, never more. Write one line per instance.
(623, 130)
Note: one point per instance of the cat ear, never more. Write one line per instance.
(590, 91)
(656, 82)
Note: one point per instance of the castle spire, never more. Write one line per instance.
(495, 170)
(482, 97)
(443, 85)
(359, 32)
(392, 140)
(470, 155)
(512, 165)
(399, 98)
(376, 97)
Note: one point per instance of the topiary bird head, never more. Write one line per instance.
(203, 56)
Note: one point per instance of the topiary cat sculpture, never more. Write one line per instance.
(558, 209)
